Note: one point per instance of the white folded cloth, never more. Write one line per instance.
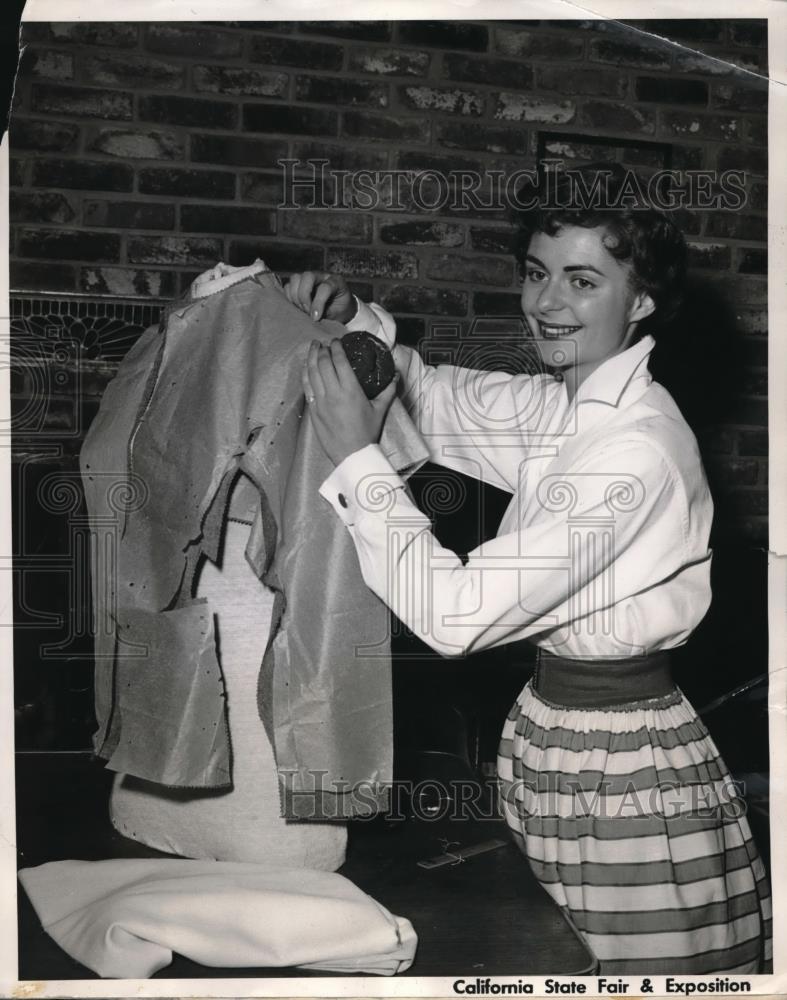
(124, 918)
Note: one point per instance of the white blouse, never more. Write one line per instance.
(603, 549)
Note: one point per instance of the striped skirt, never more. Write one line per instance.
(630, 821)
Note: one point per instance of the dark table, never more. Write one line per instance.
(484, 916)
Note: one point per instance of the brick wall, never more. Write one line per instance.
(142, 153)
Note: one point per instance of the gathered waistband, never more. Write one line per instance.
(601, 683)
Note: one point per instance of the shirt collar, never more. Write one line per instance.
(610, 380)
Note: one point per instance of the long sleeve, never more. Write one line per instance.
(477, 422)
(614, 527)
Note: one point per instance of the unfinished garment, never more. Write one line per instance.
(214, 391)
(124, 919)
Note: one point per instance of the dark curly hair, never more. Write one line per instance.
(608, 195)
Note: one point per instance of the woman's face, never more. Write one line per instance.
(578, 300)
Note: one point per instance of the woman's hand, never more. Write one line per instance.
(344, 419)
(322, 295)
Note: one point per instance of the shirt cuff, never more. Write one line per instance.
(373, 320)
(362, 483)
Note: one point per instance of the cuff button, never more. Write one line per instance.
(342, 500)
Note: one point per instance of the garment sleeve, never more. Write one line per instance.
(477, 422)
(613, 527)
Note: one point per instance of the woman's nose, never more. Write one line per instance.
(549, 297)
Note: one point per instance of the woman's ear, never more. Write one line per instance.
(641, 307)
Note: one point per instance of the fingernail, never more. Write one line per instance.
(315, 313)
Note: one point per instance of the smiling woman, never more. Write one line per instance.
(609, 782)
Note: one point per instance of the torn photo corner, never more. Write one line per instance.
(377, 734)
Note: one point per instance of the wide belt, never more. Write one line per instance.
(602, 683)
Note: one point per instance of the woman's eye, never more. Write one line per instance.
(533, 274)
(583, 284)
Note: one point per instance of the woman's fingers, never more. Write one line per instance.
(344, 372)
(314, 379)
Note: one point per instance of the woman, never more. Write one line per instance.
(610, 783)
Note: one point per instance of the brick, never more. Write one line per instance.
(758, 197)
(688, 29)
(231, 150)
(753, 443)
(734, 226)
(279, 256)
(589, 82)
(750, 501)
(753, 262)
(482, 138)
(753, 383)
(389, 62)
(751, 412)
(289, 120)
(42, 136)
(127, 281)
(328, 227)
(521, 108)
(223, 219)
(25, 207)
(617, 117)
(735, 471)
(709, 255)
(472, 270)
(128, 214)
(757, 131)
(66, 244)
(81, 102)
(367, 31)
(750, 291)
(338, 157)
(715, 440)
(83, 174)
(439, 234)
(338, 91)
(450, 101)
(752, 97)
(705, 64)
(496, 72)
(686, 157)
(105, 33)
(186, 40)
(134, 71)
(49, 277)
(422, 160)
(630, 53)
(16, 172)
(188, 111)
(49, 65)
(235, 80)
(493, 240)
(516, 42)
(297, 52)
(371, 264)
(135, 144)
(561, 149)
(445, 35)
(748, 32)
(671, 91)
(410, 330)
(700, 126)
(496, 304)
(753, 322)
(753, 161)
(417, 299)
(189, 250)
(389, 128)
(187, 183)
(267, 189)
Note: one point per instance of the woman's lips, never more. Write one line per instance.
(556, 330)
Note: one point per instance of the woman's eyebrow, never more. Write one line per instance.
(569, 267)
